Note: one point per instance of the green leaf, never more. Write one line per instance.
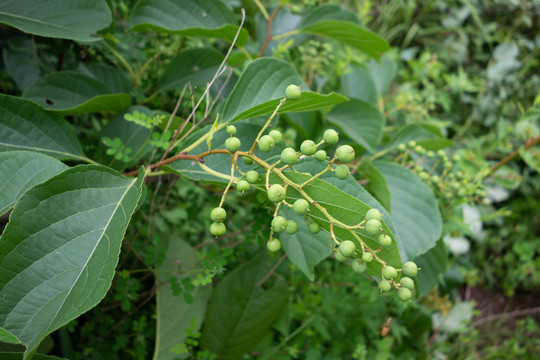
(7, 337)
(24, 169)
(383, 72)
(327, 12)
(196, 66)
(240, 312)
(171, 329)
(304, 249)
(210, 18)
(20, 356)
(115, 80)
(21, 61)
(360, 121)
(377, 185)
(60, 248)
(425, 136)
(358, 83)
(433, 264)
(415, 210)
(72, 93)
(26, 126)
(531, 157)
(75, 19)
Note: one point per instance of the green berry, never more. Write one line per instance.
(242, 186)
(339, 257)
(231, 129)
(252, 176)
(347, 248)
(373, 226)
(419, 149)
(247, 161)
(404, 294)
(217, 229)
(301, 207)
(232, 144)
(276, 135)
(218, 214)
(358, 266)
(290, 134)
(292, 227)
(345, 153)
(266, 143)
(314, 228)
(342, 171)
(401, 147)
(430, 154)
(331, 137)
(308, 147)
(373, 214)
(292, 92)
(273, 245)
(320, 155)
(389, 272)
(456, 158)
(407, 282)
(385, 286)
(411, 144)
(367, 257)
(289, 156)
(410, 269)
(279, 224)
(442, 154)
(276, 193)
(385, 240)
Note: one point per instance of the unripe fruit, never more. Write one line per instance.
(232, 144)
(345, 153)
(247, 161)
(373, 226)
(389, 272)
(292, 92)
(273, 245)
(373, 214)
(385, 240)
(401, 147)
(342, 171)
(217, 229)
(218, 214)
(320, 155)
(279, 224)
(404, 294)
(301, 207)
(276, 135)
(385, 286)
(231, 129)
(407, 282)
(314, 228)
(331, 137)
(411, 144)
(252, 176)
(358, 266)
(289, 156)
(242, 186)
(308, 147)
(292, 227)
(347, 248)
(339, 257)
(367, 257)
(276, 193)
(410, 269)
(266, 143)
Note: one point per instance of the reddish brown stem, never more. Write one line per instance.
(268, 31)
(530, 143)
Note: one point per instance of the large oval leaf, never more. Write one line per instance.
(75, 19)
(26, 126)
(24, 169)
(60, 248)
(415, 210)
(433, 265)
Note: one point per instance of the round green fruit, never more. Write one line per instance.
(266, 143)
(252, 176)
(345, 153)
(320, 155)
(242, 186)
(292, 92)
(308, 147)
(276, 135)
(342, 171)
(373, 214)
(389, 272)
(331, 137)
(367, 257)
(385, 286)
(407, 282)
(347, 248)
(358, 266)
(339, 257)
(232, 144)
(276, 193)
(217, 229)
(273, 245)
(218, 214)
(301, 207)
(410, 269)
(292, 227)
(314, 228)
(231, 129)
(289, 156)
(373, 226)
(247, 161)
(404, 294)
(279, 224)
(385, 240)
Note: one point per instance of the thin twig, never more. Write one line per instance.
(505, 316)
(269, 31)
(530, 143)
(272, 270)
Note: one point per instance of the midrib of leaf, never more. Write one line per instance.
(39, 22)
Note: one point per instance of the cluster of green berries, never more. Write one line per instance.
(405, 285)
(218, 227)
